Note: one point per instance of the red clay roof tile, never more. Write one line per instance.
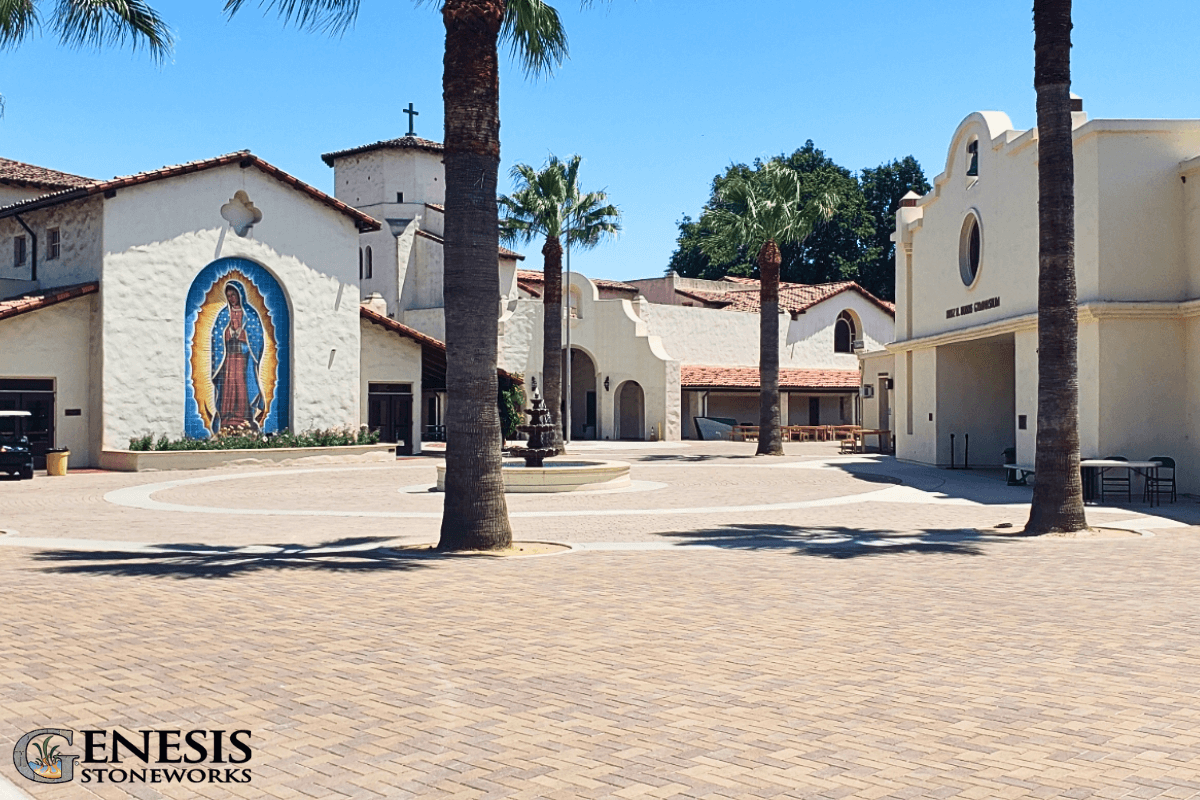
(403, 143)
(19, 173)
(35, 300)
(243, 157)
(699, 377)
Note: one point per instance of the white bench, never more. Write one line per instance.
(1018, 473)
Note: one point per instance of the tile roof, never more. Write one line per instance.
(47, 297)
(19, 173)
(371, 315)
(504, 251)
(243, 158)
(697, 377)
(403, 143)
(793, 297)
(535, 277)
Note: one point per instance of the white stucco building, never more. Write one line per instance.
(645, 358)
(211, 295)
(226, 294)
(963, 359)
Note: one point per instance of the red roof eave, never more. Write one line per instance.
(243, 158)
(704, 377)
(33, 302)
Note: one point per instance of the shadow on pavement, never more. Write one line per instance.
(185, 561)
(837, 542)
(690, 458)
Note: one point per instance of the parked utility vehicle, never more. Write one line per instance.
(16, 457)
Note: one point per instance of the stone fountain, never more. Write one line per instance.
(539, 447)
(537, 475)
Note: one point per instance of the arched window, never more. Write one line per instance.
(360, 264)
(973, 158)
(367, 265)
(844, 333)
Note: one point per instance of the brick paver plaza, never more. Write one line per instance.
(811, 626)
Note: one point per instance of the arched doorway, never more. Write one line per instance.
(631, 411)
(584, 424)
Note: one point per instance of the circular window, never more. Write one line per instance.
(970, 250)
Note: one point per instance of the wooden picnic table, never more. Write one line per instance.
(748, 433)
(883, 438)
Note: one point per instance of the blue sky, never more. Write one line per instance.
(658, 96)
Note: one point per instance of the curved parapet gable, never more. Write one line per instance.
(990, 128)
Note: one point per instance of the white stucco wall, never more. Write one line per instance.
(620, 344)
(57, 342)
(80, 245)
(714, 337)
(158, 236)
(18, 194)
(876, 365)
(387, 357)
(374, 178)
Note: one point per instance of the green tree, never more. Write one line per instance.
(549, 204)
(882, 188)
(758, 212)
(474, 515)
(854, 245)
(87, 23)
(1058, 491)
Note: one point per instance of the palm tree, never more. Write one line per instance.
(549, 203)
(759, 211)
(1058, 491)
(475, 515)
(87, 23)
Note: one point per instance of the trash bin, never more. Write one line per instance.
(56, 461)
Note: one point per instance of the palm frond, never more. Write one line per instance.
(96, 23)
(770, 203)
(536, 35)
(323, 16)
(18, 19)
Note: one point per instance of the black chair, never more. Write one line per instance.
(1116, 479)
(1158, 484)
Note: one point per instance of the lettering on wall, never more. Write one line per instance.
(971, 308)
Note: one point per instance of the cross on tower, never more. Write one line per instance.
(411, 113)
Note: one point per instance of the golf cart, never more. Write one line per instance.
(16, 457)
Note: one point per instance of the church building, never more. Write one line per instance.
(227, 295)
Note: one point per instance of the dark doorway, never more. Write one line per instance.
(35, 395)
(814, 411)
(389, 411)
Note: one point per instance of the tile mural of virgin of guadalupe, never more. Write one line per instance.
(236, 333)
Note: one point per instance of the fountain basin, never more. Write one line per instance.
(562, 474)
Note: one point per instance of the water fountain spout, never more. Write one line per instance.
(539, 446)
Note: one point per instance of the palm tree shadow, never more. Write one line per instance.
(834, 542)
(189, 561)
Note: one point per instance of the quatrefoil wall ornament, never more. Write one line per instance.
(241, 214)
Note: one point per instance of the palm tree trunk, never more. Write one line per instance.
(552, 344)
(770, 440)
(1058, 491)
(475, 516)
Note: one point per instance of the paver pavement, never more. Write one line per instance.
(788, 658)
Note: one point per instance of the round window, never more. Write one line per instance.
(970, 250)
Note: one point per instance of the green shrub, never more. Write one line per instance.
(512, 407)
(247, 439)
